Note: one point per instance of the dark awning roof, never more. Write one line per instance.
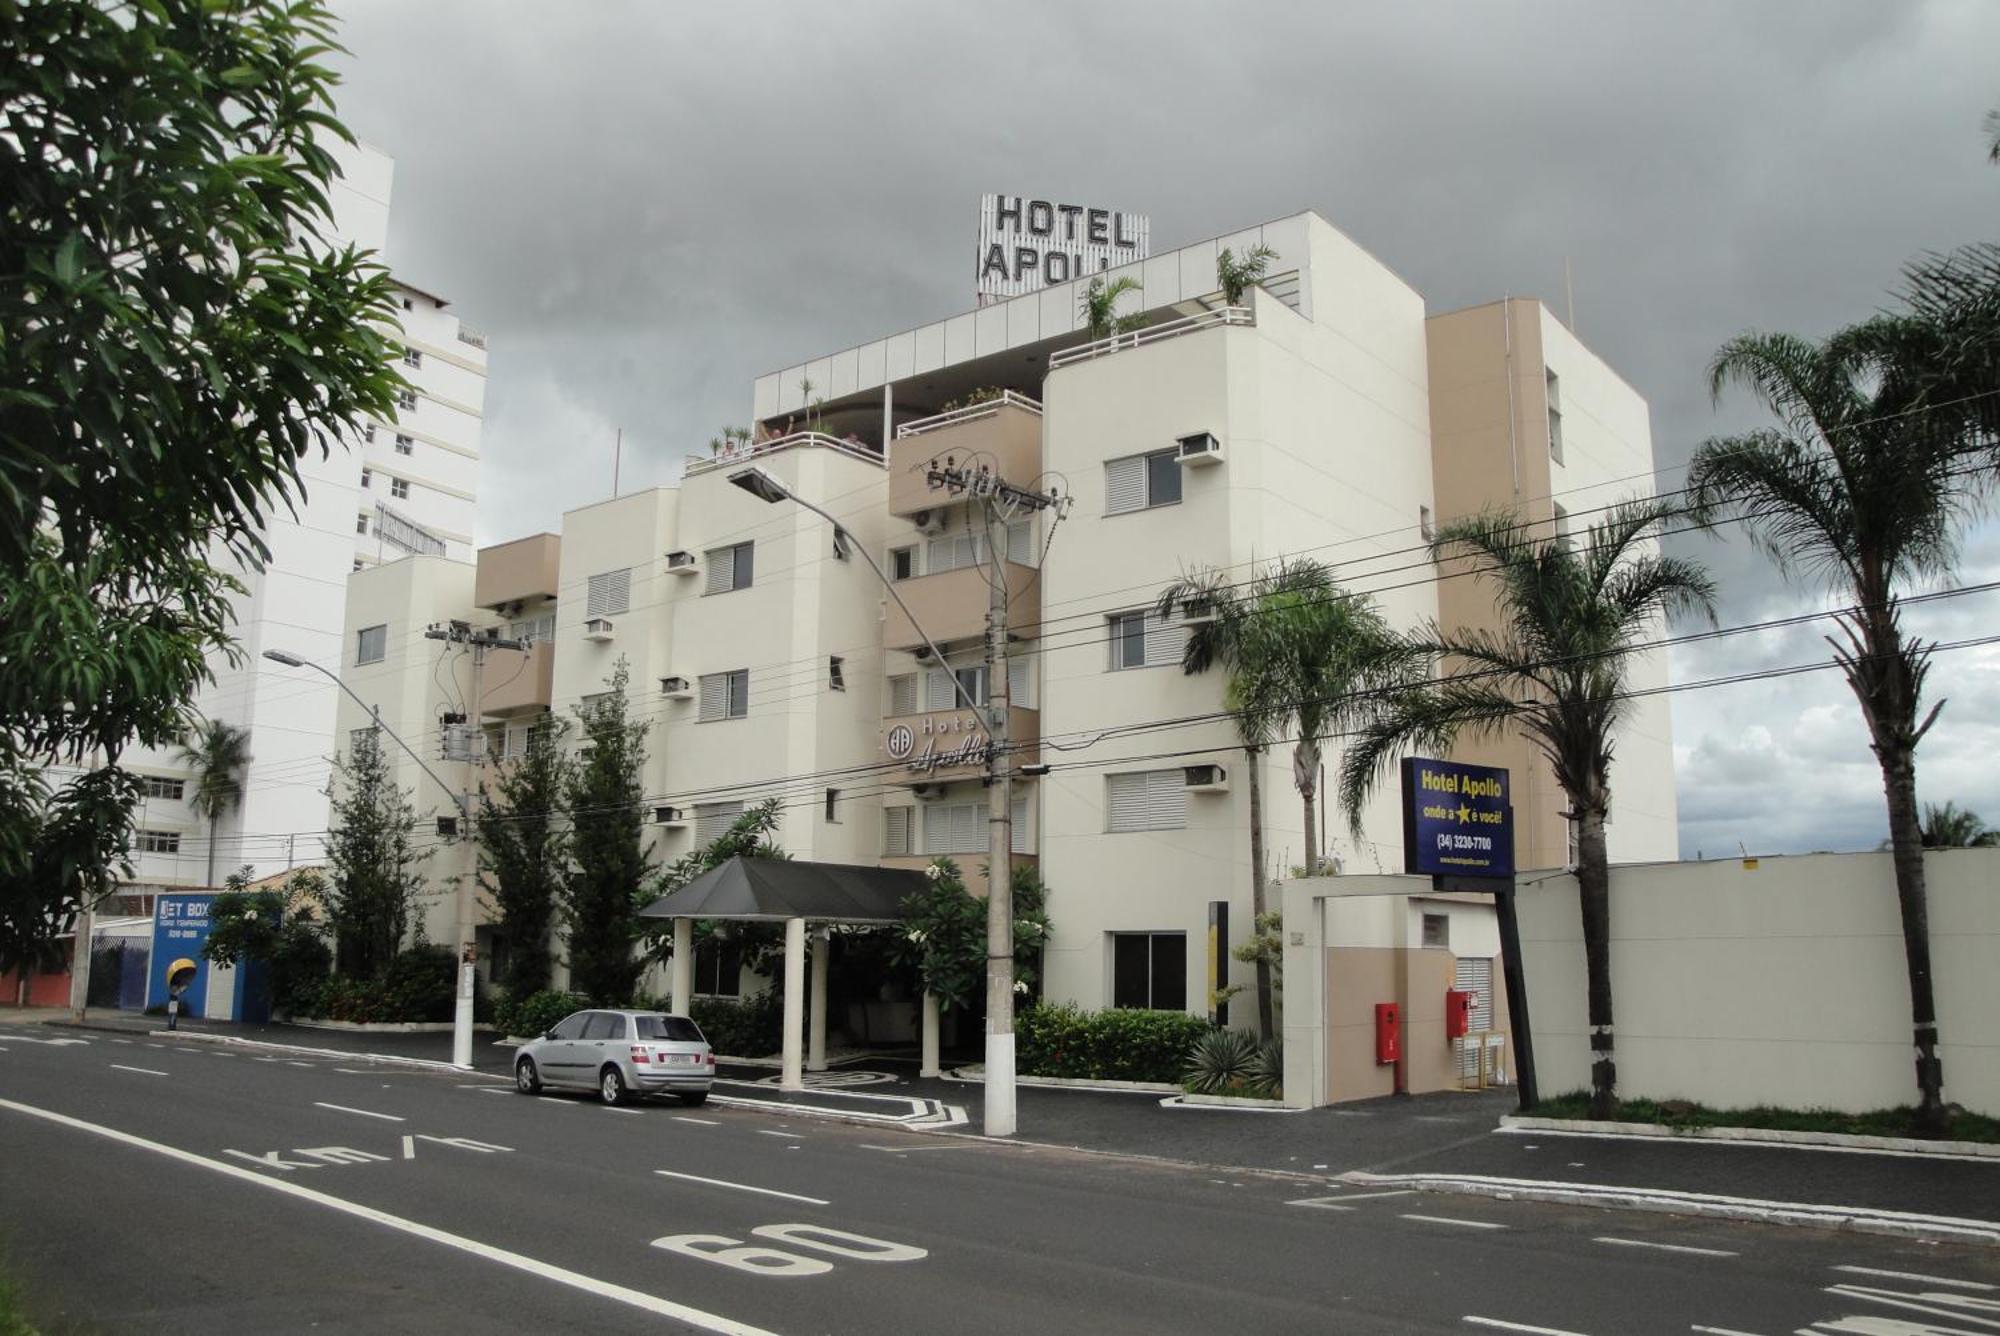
(781, 888)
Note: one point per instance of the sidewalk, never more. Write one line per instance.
(1449, 1134)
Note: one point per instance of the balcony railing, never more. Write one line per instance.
(467, 334)
(403, 533)
(969, 413)
(739, 453)
(1139, 338)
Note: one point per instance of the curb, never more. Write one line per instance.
(424, 1064)
(1904, 1224)
(1761, 1136)
(1227, 1104)
(966, 1076)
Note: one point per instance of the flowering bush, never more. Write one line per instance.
(1119, 1045)
(943, 936)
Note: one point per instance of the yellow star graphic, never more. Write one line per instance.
(1464, 815)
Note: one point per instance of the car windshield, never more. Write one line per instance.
(668, 1027)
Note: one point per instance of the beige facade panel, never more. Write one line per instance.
(1007, 436)
(515, 572)
(952, 606)
(519, 683)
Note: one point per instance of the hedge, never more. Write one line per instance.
(1119, 1045)
(752, 1027)
(535, 1013)
(421, 984)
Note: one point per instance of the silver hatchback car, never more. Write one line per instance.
(621, 1055)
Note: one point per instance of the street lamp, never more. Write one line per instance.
(461, 1027)
(999, 1103)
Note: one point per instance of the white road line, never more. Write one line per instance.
(143, 1071)
(1373, 1196)
(121, 1041)
(1666, 1247)
(486, 1090)
(363, 1071)
(1912, 1275)
(650, 1303)
(299, 1064)
(613, 1108)
(1498, 1325)
(702, 1122)
(1721, 1331)
(767, 1132)
(743, 1187)
(905, 1150)
(220, 1054)
(342, 1108)
(1467, 1224)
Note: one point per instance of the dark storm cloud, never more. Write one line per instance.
(646, 205)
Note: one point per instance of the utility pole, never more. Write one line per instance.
(481, 639)
(1000, 502)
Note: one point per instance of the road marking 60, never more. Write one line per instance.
(762, 1261)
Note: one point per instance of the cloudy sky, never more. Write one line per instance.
(646, 205)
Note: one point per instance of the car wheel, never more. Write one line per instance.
(526, 1079)
(694, 1099)
(611, 1085)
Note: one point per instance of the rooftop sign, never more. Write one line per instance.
(1458, 820)
(1027, 244)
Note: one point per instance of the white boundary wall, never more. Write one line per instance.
(1772, 981)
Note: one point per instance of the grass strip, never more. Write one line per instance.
(1686, 1116)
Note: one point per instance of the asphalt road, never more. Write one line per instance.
(173, 1187)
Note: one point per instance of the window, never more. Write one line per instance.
(361, 524)
(1575, 842)
(954, 828)
(359, 563)
(1149, 970)
(610, 593)
(368, 433)
(571, 1026)
(843, 549)
(676, 1029)
(404, 445)
(604, 1025)
(1437, 930)
(896, 832)
(371, 643)
(411, 357)
(357, 738)
(725, 695)
(728, 568)
(1561, 522)
(399, 488)
(958, 551)
(1555, 418)
(1143, 640)
(942, 693)
(833, 806)
(903, 563)
(159, 842)
(836, 673)
(156, 786)
(713, 820)
(718, 968)
(1017, 824)
(409, 305)
(1424, 525)
(406, 399)
(589, 705)
(1140, 482)
(540, 627)
(367, 478)
(903, 694)
(1146, 800)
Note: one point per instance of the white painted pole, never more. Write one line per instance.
(930, 1067)
(790, 1077)
(998, 1098)
(816, 1046)
(683, 966)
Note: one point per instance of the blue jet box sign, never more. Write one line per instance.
(1458, 820)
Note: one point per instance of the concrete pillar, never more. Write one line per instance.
(682, 988)
(790, 1077)
(816, 1045)
(930, 1067)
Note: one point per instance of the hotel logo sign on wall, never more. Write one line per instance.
(1028, 244)
(1458, 820)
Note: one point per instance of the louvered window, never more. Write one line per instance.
(610, 593)
(955, 828)
(1555, 416)
(1145, 640)
(941, 694)
(951, 552)
(713, 820)
(728, 568)
(725, 695)
(1146, 800)
(903, 694)
(896, 832)
(1019, 825)
(1140, 482)
(1019, 674)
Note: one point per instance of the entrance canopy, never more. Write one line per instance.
(774, 889)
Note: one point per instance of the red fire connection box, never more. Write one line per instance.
(1458, 1007)
(1388, 1033)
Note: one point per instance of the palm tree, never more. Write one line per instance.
(1099, 308)
(1993, 136)
(1571, 618)
(218, 753)
(1951, 827)
(1297, 648)
(1861, 491)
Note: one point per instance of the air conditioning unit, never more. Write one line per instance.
(1204, 779)
(669, 816)
(447, 826)
(598, 629)
(1198, 612)
(676, 688)
(929, 521)
(1200, 449)
(682, 563)
(927, 792)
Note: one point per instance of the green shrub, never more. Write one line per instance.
(419, 985)
(1220, 1063)
(300, 964)
(1267, 1072)
(1118, 1045)
(752, 1027)
(536, 1013)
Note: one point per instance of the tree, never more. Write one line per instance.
(943, 937)
(1098, 306)
(750, 835)
(277, 927)
(1949, 827)
(1295, 646)
(218, 753)
(373, 866)
(606, 883)
(524, 850)
(1993, 136)
(175, 334)
(1236, 277)
(1862, 490)
(1571, 619)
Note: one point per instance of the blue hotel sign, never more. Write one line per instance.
(1458, 820)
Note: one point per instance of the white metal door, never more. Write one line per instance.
(1475, 975)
